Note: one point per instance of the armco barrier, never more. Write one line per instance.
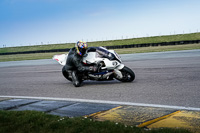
(111, 47)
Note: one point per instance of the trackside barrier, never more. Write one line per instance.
(111, 47)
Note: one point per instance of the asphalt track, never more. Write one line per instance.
(163, 78)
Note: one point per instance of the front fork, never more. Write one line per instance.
(117, 72)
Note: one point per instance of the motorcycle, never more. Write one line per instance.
(111, 66)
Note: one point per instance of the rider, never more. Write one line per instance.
(74, 63)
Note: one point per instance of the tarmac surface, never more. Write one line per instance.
(164, 94)
(162, 78)
(140, 116)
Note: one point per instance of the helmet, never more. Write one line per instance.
(81, 47)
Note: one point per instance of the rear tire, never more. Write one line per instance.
(128, 75)
(65, 74)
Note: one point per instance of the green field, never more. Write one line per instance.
(18, 57)
(155, 39)
(40, 122)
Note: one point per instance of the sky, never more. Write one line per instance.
(35, 22)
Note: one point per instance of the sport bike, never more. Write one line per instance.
(109, 62)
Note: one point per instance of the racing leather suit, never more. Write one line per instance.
(75, 64)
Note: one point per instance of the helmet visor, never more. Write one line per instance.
(82, 50)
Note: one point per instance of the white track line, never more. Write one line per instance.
(46, 71)
(106, 102)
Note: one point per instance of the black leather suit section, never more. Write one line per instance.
(74, 62)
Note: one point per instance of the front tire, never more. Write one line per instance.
(128, 75)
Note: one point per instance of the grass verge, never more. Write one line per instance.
(18, 57)
(32, 121)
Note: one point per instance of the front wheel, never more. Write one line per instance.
(128, 75)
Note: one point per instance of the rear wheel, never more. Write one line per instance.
(66, 74)
(128, 75)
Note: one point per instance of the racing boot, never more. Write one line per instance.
(75, 79)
